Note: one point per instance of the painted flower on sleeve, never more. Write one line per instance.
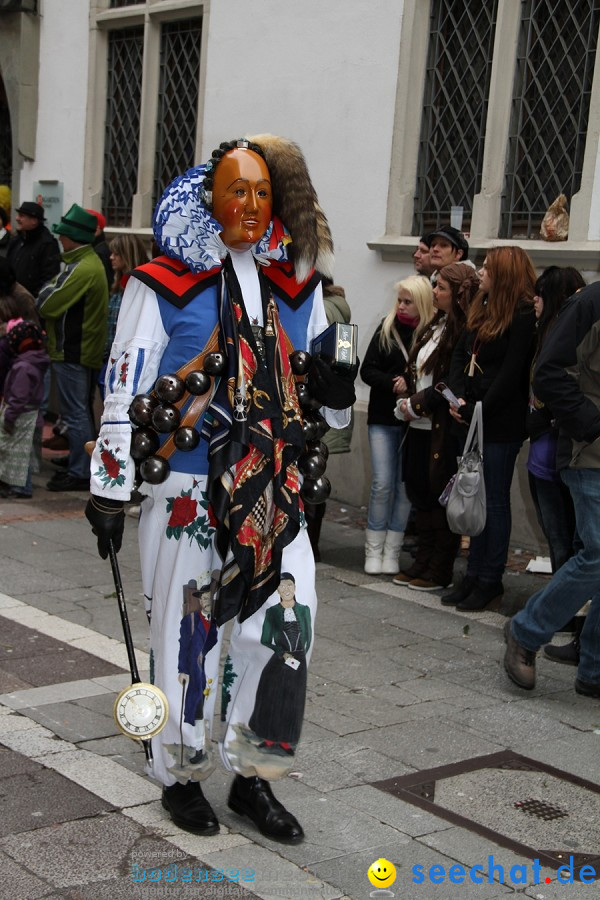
(188, 516)
(112, 470)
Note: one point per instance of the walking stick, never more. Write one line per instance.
(141, 710)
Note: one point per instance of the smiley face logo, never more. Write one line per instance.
(381, 873)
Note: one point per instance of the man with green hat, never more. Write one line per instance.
(74, 307)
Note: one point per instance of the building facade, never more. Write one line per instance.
(403, 108)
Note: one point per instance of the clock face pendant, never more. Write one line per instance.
(141, 711)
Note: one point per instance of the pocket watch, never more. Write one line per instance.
(141, 711)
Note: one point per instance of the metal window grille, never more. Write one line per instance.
(553, 82)
(177, 101)
(454, 110)
(122, 131)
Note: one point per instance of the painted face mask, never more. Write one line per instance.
(242, 198)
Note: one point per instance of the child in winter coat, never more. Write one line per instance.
(22, 392)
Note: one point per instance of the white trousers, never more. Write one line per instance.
(176, 551)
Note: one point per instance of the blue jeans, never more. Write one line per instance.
(74, 384)
(575, 582)
(489, 550)
(388, 505)
(556, 516)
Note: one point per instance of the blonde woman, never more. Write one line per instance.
(384, 369)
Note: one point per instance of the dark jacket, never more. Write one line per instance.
(24, 383)
(101, 247)
(566, 379)
(35, 257)
(378, 371)
(4, 242)
(445, 442)
(502, 380)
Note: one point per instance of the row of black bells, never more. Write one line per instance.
(155, 413)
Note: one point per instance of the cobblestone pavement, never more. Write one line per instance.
(399, 688)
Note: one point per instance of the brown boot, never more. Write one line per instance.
(518, 661)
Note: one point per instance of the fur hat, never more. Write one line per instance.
(295, 202)
(77, 224)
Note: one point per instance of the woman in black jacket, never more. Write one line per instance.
(551, 498)
(431, 445)
(383, 369)
(491, 363)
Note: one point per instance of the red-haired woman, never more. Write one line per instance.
(491, 363)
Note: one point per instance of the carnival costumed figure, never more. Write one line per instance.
(209, 340)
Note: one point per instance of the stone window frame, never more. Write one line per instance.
(397, 244)
(151, 14)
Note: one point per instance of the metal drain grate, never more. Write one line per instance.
(485, 795)
(540, 809)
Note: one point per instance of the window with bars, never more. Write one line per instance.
(454, 110)
(177, 101)
(122, 130)
(551, 98)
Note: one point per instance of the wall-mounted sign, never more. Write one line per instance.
(49, 194)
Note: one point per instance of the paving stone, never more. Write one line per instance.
(41, 797)
(274, 878)
(336, 763)
(358, 669)
(66, 690)
(78, 852)
(349, 872)
(435, 746)
(10, 682)
(18, 882)
(104, 777)
(72, 722)
(391, 810)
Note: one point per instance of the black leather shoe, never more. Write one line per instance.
(189, 808)
(567, 654)
(62, 482)
(482, 594)
(254, 798)
(465, 588)
(587, 688)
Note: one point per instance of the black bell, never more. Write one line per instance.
(166, 418)
(319, 447)
(169, 388)
(155, 469)
(309, 429)
(322, 426)
(300, 362)
(197, 383)
(141, 409)
(214, 363)
(315, 490)
(312, 465)
(144, 442)
(186, 438)
(304, 398)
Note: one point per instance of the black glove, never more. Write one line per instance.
(107, 520)
(331, 387)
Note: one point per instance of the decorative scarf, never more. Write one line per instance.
(254, 428)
